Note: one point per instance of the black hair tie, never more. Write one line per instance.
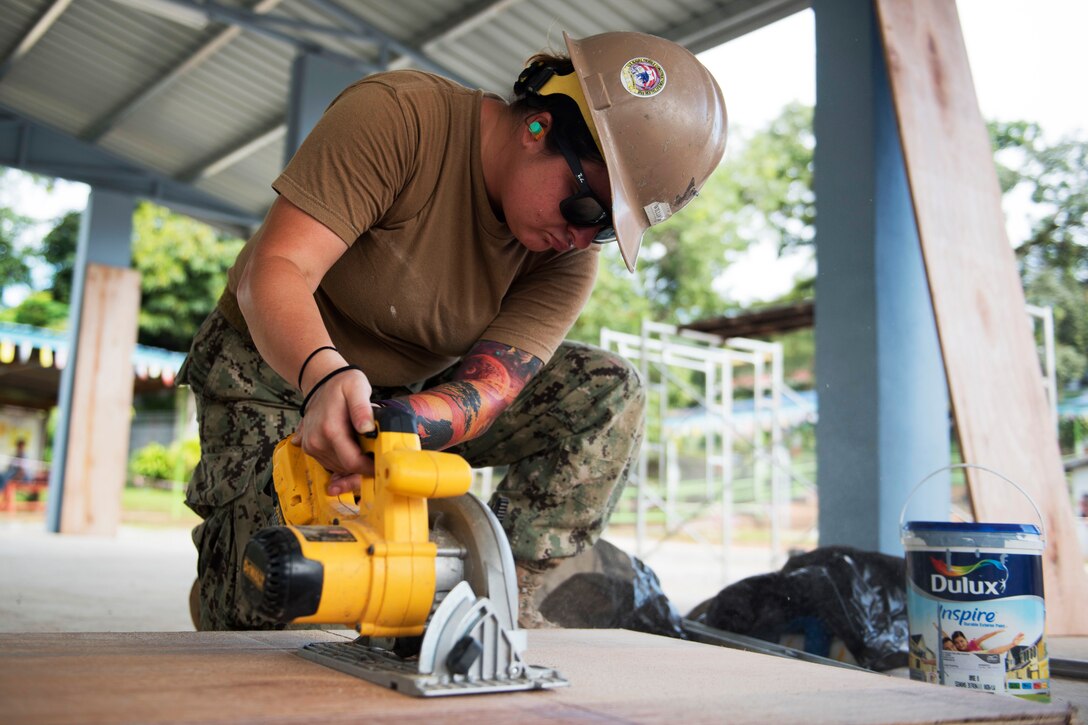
(310, 357)
(327, 378)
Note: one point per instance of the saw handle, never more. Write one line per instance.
(401, 468)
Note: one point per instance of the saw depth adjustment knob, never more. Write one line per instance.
(463, 655)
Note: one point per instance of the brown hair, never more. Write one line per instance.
(567, 121)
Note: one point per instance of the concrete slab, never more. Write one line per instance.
(137, 581)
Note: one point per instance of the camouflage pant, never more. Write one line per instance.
(568, 440)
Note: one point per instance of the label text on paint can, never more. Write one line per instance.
(976, 617)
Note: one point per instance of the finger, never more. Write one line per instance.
(340, 484)
(362, 417)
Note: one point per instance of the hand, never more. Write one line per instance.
(337, 413)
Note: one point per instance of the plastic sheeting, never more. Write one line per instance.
(607, 588)
(857, 596)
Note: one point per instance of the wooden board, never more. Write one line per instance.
(101, 402)
(616, 675)
(995, 382)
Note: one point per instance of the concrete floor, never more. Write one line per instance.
(136, 582)
(139, 580)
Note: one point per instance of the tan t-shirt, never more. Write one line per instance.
(394, 169)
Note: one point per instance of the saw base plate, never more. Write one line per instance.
(384, 668)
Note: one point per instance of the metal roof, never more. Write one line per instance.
(184, 101)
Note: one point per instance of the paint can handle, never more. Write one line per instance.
(964, 466)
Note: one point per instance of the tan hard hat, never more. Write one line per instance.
(659, 118)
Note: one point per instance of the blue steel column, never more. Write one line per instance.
(315, 81)
(883, 399)
(105, 237)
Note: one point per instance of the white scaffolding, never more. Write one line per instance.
(730, 435)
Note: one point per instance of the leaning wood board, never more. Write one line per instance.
(616, 676)
(994, 377)
(101, 402)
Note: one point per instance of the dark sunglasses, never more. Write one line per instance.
(583, 208)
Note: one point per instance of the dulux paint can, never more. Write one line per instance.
(975, 606)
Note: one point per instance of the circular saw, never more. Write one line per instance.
(416, 564)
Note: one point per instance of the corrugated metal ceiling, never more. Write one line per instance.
(205, 107)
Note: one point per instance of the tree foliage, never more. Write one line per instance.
(763, 191)
(58, 250)
(183, 265)
(1053, 257)
(14, 261)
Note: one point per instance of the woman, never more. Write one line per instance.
(429, 249)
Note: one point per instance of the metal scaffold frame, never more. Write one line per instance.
(662, 352)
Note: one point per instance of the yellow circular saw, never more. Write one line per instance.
(415, 560)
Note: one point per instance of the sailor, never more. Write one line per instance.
(429, 248)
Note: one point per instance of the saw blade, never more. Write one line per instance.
(488, 562)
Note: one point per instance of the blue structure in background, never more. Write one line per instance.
(883, 396)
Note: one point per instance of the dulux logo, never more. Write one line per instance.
(953, 579)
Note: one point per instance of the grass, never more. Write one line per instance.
(156, 507)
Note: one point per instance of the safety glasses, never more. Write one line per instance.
(583, 208)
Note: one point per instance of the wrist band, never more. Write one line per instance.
(310, 357)
(327, 378)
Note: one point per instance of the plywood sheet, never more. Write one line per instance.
(616, 675)
(994, 378)
(101, 402)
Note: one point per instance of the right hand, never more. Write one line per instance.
(335, 417)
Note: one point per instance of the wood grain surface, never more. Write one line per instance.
(616, 676)
(101, 402)
(995, 381)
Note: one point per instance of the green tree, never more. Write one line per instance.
(616, 302)
(1053, 257)
(762, 191)
(40, 310)
(58, 249)
(183, 265)
(14, 261)
(773, 176)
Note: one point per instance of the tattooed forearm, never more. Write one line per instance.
(486, 382)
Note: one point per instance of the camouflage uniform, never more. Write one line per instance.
(568, 440)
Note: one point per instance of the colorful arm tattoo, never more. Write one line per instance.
(488, 379)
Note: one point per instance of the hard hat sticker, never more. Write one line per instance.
(657, 212)
(643, 77)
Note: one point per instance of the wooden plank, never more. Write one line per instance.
(994, 378)
(101, 402)
(616, 675)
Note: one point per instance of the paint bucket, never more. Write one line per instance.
(975, 604)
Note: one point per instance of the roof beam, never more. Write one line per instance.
(386, 41)
(711, 29)
(227, 157)
(33, 146)
(40, 28)
(358, 28)
(454, 27)
(230, 157)
(134, 102)
(265, 25)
